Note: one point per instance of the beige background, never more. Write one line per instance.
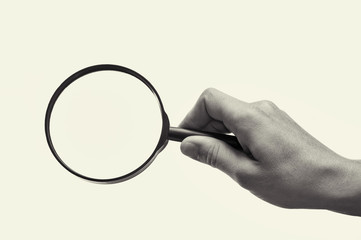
(303, 55)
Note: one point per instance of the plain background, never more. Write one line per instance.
(303, 55)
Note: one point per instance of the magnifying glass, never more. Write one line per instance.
(108, 124)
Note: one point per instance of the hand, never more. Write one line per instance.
(280, 163)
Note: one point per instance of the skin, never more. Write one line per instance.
(280, 162)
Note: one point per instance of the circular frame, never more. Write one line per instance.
(163, 139)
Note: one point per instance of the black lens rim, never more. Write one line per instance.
(163, 139)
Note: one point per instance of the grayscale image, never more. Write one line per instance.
(180, 120)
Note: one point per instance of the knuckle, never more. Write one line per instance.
(207, 93)
(264, 107)
(266, 104)
(250, 112)
(269, 104)
(212, 155)
(247, 114)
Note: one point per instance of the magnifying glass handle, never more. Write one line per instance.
(179, 134)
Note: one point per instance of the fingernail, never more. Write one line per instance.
(189, 149)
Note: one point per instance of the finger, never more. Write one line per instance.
(220, 155)
(215, 126)
(215, 106)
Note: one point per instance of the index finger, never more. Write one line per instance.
(217, 108)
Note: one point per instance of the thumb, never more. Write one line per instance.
(216, 153)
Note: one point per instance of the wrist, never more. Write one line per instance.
(343, 193)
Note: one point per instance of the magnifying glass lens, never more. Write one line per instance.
(106, 124)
